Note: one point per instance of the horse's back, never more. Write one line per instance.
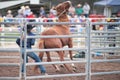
(57, 30)
(56, 42)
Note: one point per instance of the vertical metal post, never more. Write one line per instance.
(25, 54)
(78, 31)
(88, 54)
(106, 30)
(38, 29)
(21, 34)
(41, 26)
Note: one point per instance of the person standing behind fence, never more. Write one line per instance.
(9, 17)
(79, 10)
(30, 42)
(53, 11)
(20, 14)
(9, 14)
(19, 17)
(86, 9)
(27, 11)
(72, 11)
(42, 12)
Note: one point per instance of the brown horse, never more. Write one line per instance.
(46, 43)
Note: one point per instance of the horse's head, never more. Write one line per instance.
(62, 8)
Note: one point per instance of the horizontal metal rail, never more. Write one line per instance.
(56, 76)
(104, 73)
(106, 32)
(57, 23)
(55, 49)
(9, 64)
(104, 23)
(7, 41)
(56, 36)
(67, 58)
(106, 48)
(56, 62)
(9, 78)
(9, 57)
(9, 50)
(9, 22)
(107, 51)
(105, 36)
(10, 32)
(9, 37)
(72, 49)
(118, 42)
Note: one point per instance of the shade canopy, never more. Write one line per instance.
(108, 3)
(6, 4)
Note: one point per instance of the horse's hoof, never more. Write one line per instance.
(75, 69)
(57, 71)
(62, 66)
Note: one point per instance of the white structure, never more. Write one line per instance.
(107, 11)
(34, 1)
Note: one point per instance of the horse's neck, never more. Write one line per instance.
(63, 18)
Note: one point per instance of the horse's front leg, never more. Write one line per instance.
(50, 60)
(41, 54)
(61, 55)
(70, 45)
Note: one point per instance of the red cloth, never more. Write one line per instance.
(30, 16)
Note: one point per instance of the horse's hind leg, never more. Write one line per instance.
(61, 55)
(49, 60)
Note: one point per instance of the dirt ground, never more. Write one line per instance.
(12, 71)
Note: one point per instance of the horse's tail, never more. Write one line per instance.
(40, 46)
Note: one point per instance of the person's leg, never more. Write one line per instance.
(23, 61)
(37, 59)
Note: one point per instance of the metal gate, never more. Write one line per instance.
(91, 39)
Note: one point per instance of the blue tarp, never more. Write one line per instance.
(108, 3)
